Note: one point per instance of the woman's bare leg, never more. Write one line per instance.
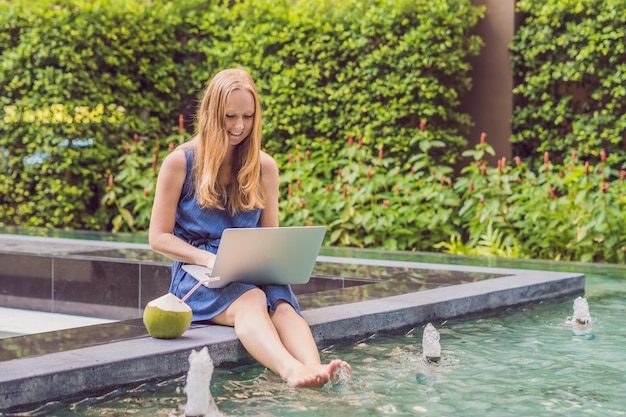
(297, 338)
(295, 334)
(256, 331)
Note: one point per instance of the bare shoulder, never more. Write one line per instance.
(174, 162)
(268, 164)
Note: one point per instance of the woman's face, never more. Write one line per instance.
(239, 116)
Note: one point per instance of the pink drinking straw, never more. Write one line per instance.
(195, 287)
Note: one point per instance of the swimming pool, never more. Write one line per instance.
(523, 362)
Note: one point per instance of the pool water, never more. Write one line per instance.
(523, 362)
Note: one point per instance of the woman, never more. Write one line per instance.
(221, 179)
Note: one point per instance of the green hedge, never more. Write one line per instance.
(360, 101)
(91, 90)
(570, 64)
(77, 79)
(374, 68)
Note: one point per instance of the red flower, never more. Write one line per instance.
(369, 173)
(603, 155)
(622, 174)
(546, 157)
(146, 191)
(298, 184)
(360, 142)
(483, 138)
(422, 125)
(380, 153)
(154, 162)
(136, 138)
(518, 161)
(471, 186)
(385, 203)
(604, 187)
(181, 124)
(303, 202)
(345, 191)
(587, 168)
(127, 148)
(350, 140)
(483, 169)
(307, 155)
(289, 190)
(110, 180)
(290, 158)
(552, 194)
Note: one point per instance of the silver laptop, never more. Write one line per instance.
(263, 255)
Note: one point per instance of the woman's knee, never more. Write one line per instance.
(283, 309)
(252, 302)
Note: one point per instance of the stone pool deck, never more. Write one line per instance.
(373, 295)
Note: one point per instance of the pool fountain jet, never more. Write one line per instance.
(431, 347)
(581, 319)
(200, 402)
(581, 311)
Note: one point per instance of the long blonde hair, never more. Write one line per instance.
(245, 192)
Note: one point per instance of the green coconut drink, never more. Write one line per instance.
(167, 317)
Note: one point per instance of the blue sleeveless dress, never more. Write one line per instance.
(203, 229)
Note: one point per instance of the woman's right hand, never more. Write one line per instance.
(210, 263)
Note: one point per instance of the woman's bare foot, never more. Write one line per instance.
(314, 380)
(319, 377)
(337, 368)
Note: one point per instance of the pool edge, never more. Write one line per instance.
(29, 382)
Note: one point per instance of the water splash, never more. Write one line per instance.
(431, 347)
(581, 311)
(342, 376)
(200, 402)
(581, 319)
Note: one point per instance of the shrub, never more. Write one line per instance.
(78, 78)
(569, 59)
(81, 78)
(367, 200)
(374, 68)
(571, 211)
